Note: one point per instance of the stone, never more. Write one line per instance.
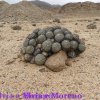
(57, 62)
(92, 26)
(16, 27)
(26, 42)
(56, 20)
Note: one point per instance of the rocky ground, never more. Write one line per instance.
(82, 76)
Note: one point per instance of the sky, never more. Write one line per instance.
(61, 2)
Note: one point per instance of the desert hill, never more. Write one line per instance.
(24, 11)
(3, 5)
(85, 7)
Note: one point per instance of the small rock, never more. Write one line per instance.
(34, 24)
(92, 26)
(57, 62)
(10, 61)
(56, 20)
(1, 25)
(68, 63)
(16, 27)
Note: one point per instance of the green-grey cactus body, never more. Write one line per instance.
(41, 38)
(74, 45)
(49, 35)
(81, 47)
(32, 42)
(56, 47)
(42, 32)
(36, 30)
(58, 31)
(29, 49)
(46, 46)
(40, 59)
(50, 29)
(59, 37)
(69, 36)
(66, 45)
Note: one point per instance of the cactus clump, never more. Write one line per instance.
(43, 43)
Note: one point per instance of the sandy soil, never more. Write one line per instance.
(83, 76)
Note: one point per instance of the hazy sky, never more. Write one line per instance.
(56, 1)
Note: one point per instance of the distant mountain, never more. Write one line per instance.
(3, 6)
(80, 7)
(24, 11)
(43, 5)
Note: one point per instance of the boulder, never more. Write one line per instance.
(57, 62)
